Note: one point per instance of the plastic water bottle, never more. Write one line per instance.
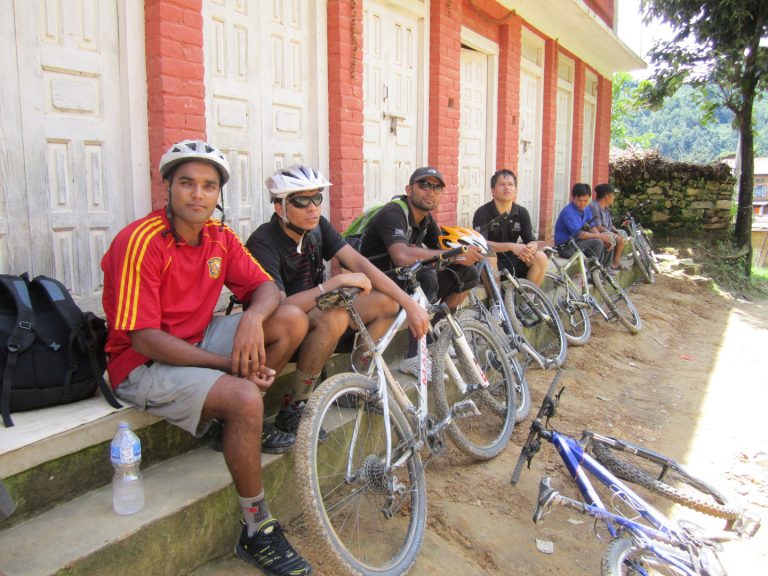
(127, 486)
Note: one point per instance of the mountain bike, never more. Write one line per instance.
(643, 540)
(362, 487)
(571, 295)
(642, 250)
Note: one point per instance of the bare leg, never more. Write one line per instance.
(284, 331)
(453, 301)
(618, 250)
(378, 311)
(538, 268)
(325, 329)
(238, 402)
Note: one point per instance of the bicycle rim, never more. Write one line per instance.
(574, 318)
(357, 522)
(537, 320)
(648, 249)
(617, 300)
(664, 477)
(642, 260)
(484, 436)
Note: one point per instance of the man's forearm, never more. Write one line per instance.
(163, 347)
(264, 300)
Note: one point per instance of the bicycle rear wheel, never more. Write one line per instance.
(536, 319)
(364, 518)
(573, 314)
(617, 300)
(625, 557)
(482, 437)
(642, 259)
(663, 476)
(648, 246)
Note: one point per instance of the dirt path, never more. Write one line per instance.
(691, 385)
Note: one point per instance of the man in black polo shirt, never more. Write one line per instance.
(524, 259)
(293, 247)
(394, 238)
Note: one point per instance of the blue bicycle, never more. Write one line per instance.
(643, 540)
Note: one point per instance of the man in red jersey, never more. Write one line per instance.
(170, 356)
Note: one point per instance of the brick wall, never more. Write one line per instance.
(603, 8)
(508, 142)
(345, 110)
(175, 84)
(444, 101)
(548, 137)
(602, 130)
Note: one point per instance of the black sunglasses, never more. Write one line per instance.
(304, 201)
(426, 185)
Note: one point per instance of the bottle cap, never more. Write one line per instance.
(123, 424)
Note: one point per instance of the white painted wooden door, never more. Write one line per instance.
(391, 53)
(563, 124)
(61, 102)
(529, 162)
(262, 98)
(473, 179)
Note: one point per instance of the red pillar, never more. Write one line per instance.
(602, 129)
(444, 101)
(175, 83)
(508, 141)
(345, 110)
(577, 138)
(548, 137)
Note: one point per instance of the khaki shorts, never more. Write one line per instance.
(177, 393)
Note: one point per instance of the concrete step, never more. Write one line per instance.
(190, 517)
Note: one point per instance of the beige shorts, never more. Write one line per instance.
(177, 393)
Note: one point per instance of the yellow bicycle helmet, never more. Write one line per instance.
(458, 236)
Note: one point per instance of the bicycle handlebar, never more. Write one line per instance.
(445, 256)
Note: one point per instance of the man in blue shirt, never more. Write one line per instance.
(575, 220)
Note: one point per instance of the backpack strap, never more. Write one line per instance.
(20, 339)
(81, 324)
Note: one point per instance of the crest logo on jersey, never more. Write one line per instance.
(214, 267)
(398, 232)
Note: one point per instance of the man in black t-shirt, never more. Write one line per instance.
(293, 248)
(524, 259)
(394, 238)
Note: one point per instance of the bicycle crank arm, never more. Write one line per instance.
(462, 409)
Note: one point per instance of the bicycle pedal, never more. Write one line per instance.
(544, 502)
(465, 409)
(747, 525)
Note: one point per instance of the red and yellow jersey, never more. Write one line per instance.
(151, 280)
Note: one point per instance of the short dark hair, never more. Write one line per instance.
(172, 172)
(500, 173)
(603, 190)
(580, 189)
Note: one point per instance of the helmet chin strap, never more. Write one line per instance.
(292, 227)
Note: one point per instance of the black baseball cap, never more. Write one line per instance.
(425, 172)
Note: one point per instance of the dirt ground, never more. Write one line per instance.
(691, 384)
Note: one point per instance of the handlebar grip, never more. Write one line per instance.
(452, 253)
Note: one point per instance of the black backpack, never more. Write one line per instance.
(51, 352)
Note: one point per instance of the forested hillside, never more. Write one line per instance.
(677, 130)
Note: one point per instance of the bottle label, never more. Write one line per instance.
(125, 452)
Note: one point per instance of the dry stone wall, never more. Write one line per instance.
(681, 197)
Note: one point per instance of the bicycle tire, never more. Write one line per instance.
(642, 260)
(345, 515)
(617, 300)
(644, 467)
(625, 557)
(547, 337)
(481, 437)
(645, 242)
(522, 390)
(575, 319)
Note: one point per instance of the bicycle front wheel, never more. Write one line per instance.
(363, 517)
(663, 476)
(617, 300)
(574, 314)
(625, 557)
(642, 258)
(535, 318)
(485, 436)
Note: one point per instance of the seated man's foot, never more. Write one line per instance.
(289, 417)
(275, 441)
(271, 552)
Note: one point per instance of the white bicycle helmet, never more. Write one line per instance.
(194, 150)
(458, 236)
(296, 178)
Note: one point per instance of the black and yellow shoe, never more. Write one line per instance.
(270, 551)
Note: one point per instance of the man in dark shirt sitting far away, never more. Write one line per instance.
(292, 247)
(524, 259)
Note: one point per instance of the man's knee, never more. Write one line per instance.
(235, 399)
(540, 260)
(290, 322)
(330, 324)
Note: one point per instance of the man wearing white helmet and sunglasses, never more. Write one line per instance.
(293, 247)
(169, 355)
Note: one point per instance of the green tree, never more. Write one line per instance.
(716, 43)
(624, 107)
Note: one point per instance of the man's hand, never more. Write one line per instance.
(471, 257)
(248, 353)
(607, 239)
(418, 319)
(262, 377)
